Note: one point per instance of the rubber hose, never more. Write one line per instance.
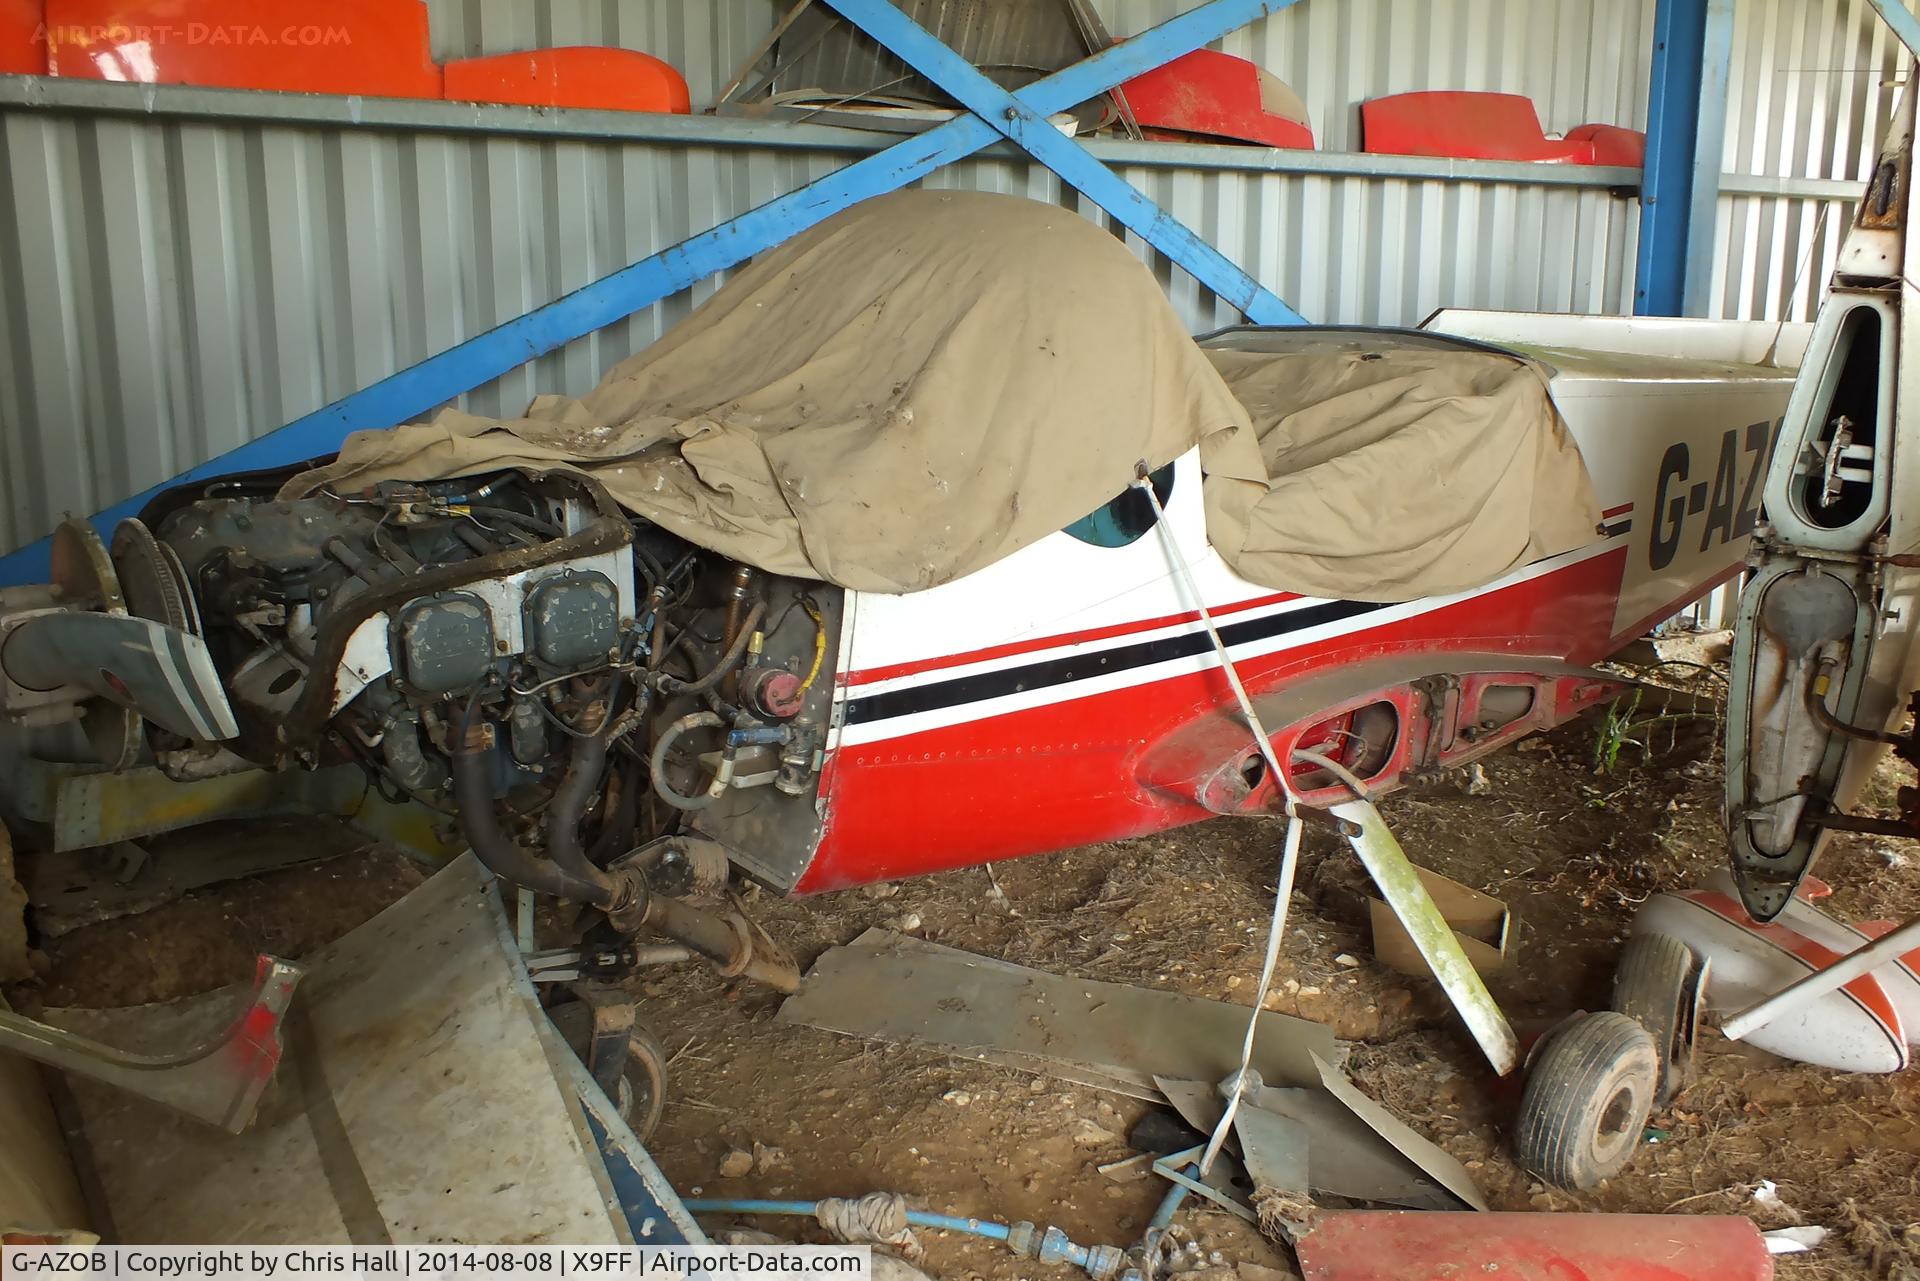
(728, 661)
(1163, 1217)
(657, 763)
(806, 1209)
(569, 807)
(617, 832)
(473, 799)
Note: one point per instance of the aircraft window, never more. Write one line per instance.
(1840, 489)
(1126, 517)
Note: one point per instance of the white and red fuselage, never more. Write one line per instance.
(1069, 694)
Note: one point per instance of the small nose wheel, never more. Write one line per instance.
(621, 1052)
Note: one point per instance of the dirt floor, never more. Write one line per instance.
(1574, 846)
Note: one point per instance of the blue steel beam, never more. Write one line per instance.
(1680, 185)
(1032, 133)
(1897, 16)
(432, 382)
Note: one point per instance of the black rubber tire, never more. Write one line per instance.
(1586, 1101)
(1651, 986)
(643, 1081)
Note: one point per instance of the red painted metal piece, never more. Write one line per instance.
(1217, 95)
(23, 39)
(1487, 126)
(574, 76)
(374, 47)
(1414, 1245)
(1612, 145)
(1067, 774)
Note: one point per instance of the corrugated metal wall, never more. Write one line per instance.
(171, 287)
(1812, 86)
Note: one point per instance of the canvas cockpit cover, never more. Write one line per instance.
(906, 393)
(1392, 465)
(928, 382)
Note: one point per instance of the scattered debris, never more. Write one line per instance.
(1091, 1134)
(766, 1158)
(1355, 1148)
(1477, 784)
(1128, 1169)
(736, 1164)
(959, 1098)
(1793, 1240)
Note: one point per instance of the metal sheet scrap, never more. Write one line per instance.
(894, 988)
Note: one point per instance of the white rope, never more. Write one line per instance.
(1290, 855)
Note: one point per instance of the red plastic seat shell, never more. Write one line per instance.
(1215, 95)
(23, 41)
(1613, 145)
(572, 76)
(1468, 126)
(1415, 1245)
(378, 48)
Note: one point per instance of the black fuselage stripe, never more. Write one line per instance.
(1078, 667)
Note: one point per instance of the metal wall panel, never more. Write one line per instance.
(1811, 87)
(169, 288)
(1813, 84)
(1776, 254)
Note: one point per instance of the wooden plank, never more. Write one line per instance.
(37, 1185)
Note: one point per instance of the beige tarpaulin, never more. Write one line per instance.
(1394, 468)
(930, 381)
(910, 391)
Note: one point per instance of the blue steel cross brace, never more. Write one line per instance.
(1032, 133)
(420, 388)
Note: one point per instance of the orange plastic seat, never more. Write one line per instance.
(1487, 126)
(576, 76)
(374, 47)
(1212, 94)
(23, 44)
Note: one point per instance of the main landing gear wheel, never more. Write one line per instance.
(1587, 1098)
(1657, 985)
(641, 1094)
